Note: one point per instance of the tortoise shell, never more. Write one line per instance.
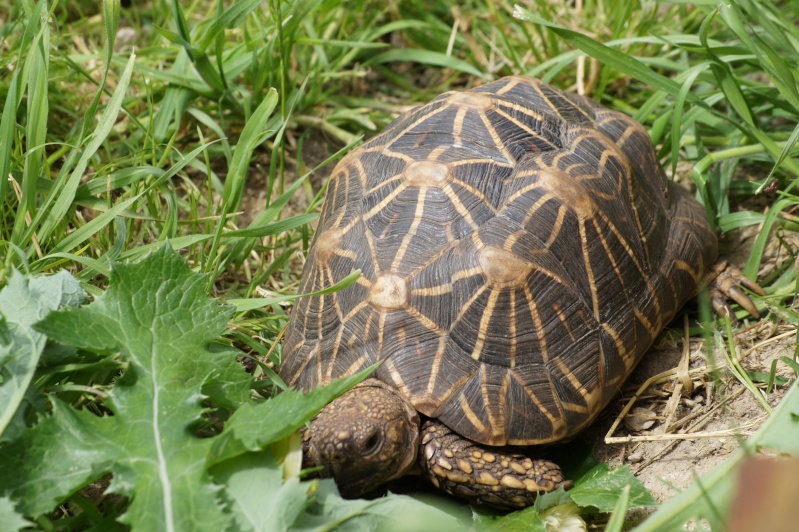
(520, 249)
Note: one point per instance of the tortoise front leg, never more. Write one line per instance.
(484, 474)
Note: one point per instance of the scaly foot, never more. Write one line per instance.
(482, 474)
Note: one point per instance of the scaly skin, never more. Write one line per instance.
(484, 474)
(364, 438)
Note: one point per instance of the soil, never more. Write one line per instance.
(717, 404)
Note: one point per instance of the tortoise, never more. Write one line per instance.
(520, 249)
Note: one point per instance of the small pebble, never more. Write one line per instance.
(635, 457)
(640, 419)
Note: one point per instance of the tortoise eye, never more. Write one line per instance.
(372, 443)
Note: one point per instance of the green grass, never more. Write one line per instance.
(110, 148)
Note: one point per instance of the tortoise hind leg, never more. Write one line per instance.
(724, 282)
(484, 474)
(691, 256)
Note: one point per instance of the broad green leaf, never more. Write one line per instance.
(256, 494)
(602, 486)
(551, 499)
(246, 430)
(527, 519)
(329, 511)
(231, 385)
(23, 302)
(157, 314)
(10, 520)
(42, 477)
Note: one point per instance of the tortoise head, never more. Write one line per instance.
(364, 438)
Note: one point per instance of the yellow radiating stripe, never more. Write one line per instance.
(470, 415)
(564, 320)
(498, 142)
(466, 306)
(550, 107)
(406, 240)
(437, 255)
(537, 323)
(431, 384)
(513, 318)
(591, 398)
(545, 197)
(432, 290)
(381, 329)
(319, 361)
(373, 251)
(589, 270)
(695, 274)
(465, 274)
(304, 364)
(385, 182)
(345, 253)
(388, 152)
(633, 204)
(396, 378)
(343, 320)
(557, 226)
(360, 170)
(508, 86)
(476, 193)
(424, 117)
(334, 353)
(462, 210)
(645, 320)
(457, 125)
(497, 424)
(356, 366)
(522, 125)
(571, 407)
(555, 420)
(426, 322)
(612, 150)
(385, 201)
(629, 358)
(609, 253)
(485, 319)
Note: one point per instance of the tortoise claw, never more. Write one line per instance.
(751, 285)
(724, 282)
